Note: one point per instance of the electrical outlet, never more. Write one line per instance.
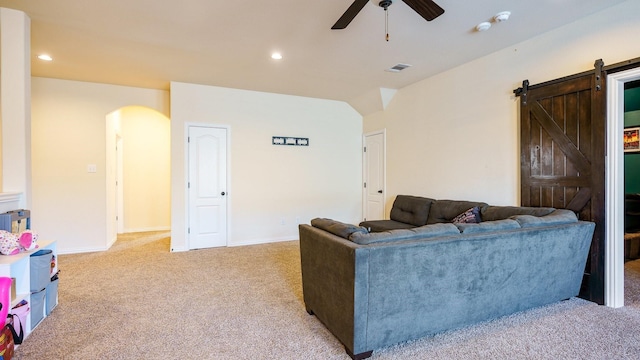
(91, 168)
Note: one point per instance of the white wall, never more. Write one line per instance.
(455, 135)
(69, 133)
(146, 169)
(15, 107)
(270, 183)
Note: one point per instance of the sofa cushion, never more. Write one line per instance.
(488, 226)
(491, 213)
(470, 216)
(412, 210)
(445, 210)
(384, 225)
(337, 228)
(557, 217)
(422, 232)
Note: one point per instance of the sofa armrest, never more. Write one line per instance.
(335, 277)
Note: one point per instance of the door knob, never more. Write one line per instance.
(223, 193)
(379, 191)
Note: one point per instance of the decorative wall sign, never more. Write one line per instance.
(291, 141)
(632, 139)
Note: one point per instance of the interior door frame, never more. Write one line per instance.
(614, 187)
(229, 191)
(365, 165)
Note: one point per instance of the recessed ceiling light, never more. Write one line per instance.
(483, 26)
(502, 16)
(276, 56)
(45, 57)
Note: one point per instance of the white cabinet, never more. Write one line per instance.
(18, 267)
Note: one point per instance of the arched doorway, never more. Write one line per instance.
(138, 171)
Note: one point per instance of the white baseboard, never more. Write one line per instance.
(263, 241)
(81, 250)
(137, 230)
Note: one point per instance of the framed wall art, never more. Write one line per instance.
(632, 139)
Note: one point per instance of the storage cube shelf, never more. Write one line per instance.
(18, 267)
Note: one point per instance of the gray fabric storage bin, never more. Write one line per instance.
(51, 298)
(37, 307)
(40, 269)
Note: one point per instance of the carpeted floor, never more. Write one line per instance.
(139, 301)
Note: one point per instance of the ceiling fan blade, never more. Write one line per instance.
(348, 15)
(426, 8)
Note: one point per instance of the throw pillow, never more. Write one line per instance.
(470, 216)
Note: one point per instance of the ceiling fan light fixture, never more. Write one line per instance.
(385, 4)
(276, 56)
(428, 9)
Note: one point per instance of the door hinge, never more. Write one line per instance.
(365, 185)
(365, 149)
(188, 230)
(188, 185)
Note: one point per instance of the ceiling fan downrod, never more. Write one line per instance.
(385, 5)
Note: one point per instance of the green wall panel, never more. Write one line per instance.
(632, 99)
(632, 160)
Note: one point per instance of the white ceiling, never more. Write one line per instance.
(148, 43)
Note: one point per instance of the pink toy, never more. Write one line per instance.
(28, 240)
(12, 244)
(5, 296)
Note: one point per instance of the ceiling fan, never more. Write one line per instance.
(426, 8)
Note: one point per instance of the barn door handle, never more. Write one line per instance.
(379, 191)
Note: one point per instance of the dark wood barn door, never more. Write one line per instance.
(563, 157)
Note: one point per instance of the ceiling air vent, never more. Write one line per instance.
(398, 67)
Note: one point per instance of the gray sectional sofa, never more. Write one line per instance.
(419, 274)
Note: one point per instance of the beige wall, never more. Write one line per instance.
(455, 135)
(146, 169)
(15, 107)
(269, 184)
(68, 134)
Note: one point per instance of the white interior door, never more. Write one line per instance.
(374, 170)
(207, 185)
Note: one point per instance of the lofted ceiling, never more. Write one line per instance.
(148, 43)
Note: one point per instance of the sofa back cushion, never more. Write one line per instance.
(557, 217)
(422, 232)
(491, 213)
(488, 226)
(337, 228)
(412, 210)
(443, 211)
